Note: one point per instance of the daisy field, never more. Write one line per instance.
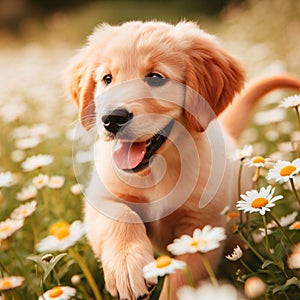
(44, 253)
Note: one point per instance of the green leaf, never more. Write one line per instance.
(38, 260)
(279, 252)
(52, 264)
(267, 263)
(288, 283)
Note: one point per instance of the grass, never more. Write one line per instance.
(262, 34)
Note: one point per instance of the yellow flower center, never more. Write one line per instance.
(55, 292)
(6, 284)
(259, 202)
(296, 225)
(287, 170)
(163, 262)
(40, 181)
(4, 228)
(24, 212)
(232, 214)
(258, 159)
(60, 230)
(196, 243)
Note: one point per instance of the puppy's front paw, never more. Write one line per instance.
(123, 272)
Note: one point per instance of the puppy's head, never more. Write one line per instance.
(156, 53)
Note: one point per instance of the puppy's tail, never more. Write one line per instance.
(237, 116)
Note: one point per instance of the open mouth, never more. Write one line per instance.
(135, 156)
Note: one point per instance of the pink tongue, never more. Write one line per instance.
(129, 155)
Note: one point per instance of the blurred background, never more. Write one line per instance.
(38, 37)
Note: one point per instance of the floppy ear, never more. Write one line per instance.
(213, 76)
(81, 85)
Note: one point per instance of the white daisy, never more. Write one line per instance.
(62, 236)
(56, 182)
(272, 135)
(284, 221)
(236, 254)
(17, 155)
(208, 292)
(40, 130)
(6, 179)
(27, 143)
(12, 110)
(36, 162)
(274, 115)
(76, 189)
(285, 148)
(294, 258)
(27, 193)
(59, 293)
(162, 266)
(258, 162)
(11, 282)
(204, 240)
(258, 201)
(24, 211)
(284, 170)
(290, 102)
(21, 132)
(40, 181)
(241, 154)
(9, 227)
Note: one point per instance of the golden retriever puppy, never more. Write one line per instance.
(153, 91)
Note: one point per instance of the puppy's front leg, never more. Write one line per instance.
(123, 249)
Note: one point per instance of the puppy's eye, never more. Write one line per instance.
(155, 79)
(107, 79)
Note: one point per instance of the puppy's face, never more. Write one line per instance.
(134, 81)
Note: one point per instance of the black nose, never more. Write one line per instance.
(114, 120)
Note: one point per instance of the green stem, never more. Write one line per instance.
(56, 277)
(209, 270)
(250, 247)
(86, 272)
(266, 234)
(34, 232)
(4, 269)
(294, 190)
(45, 200)
(168, 287)
(285, 295)
(256, 178)
(298, 116)
(281, 228)
(246, 266)
(240, 188)
(189, 276)
(22, 266)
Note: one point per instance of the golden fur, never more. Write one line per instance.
(187, 55)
